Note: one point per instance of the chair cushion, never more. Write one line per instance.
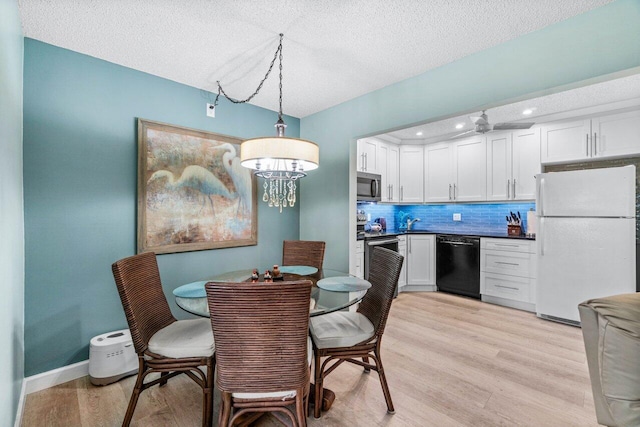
(184, 338)
(289, 394)
(340, 329)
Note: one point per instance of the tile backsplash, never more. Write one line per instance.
(475, 217)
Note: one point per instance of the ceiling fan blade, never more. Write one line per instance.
(512, 126)
(463, 133)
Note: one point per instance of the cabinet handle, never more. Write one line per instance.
(507, 263)
(502, 244)
(514, 188)
(454, 191)
(595, 144)
(366, 161)
(508, 189)
(391, 191)
(401, 192)
(587, 145)
(507, 287)
(449, 191)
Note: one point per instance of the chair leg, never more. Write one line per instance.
(300, 411)
(207, 404)
(366, 360)
(383, 382)
(225, 409)
(318, 378)
(162, 375)
(137, 389)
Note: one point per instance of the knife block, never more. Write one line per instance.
(514, 230)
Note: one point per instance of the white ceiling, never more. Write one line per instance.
(334, 50)
(545, 108)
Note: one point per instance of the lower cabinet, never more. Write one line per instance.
(402, 250)
(508, 272)
(360, 259)
(421, 262)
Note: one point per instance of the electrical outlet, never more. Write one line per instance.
(457, 217)
(211, 110)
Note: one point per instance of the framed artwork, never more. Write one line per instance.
(193, 194)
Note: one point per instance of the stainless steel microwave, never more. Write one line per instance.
(369, 187)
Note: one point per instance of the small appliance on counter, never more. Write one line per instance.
(112, 357)
(361, 221)
(383, 223)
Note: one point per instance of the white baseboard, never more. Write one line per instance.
(526, 306)
(55, 377)
(20, 409)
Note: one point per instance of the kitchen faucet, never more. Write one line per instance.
(410, 223)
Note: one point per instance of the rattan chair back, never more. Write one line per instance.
(303, 252)
(145, 305)
(383, 275)
(260, 331)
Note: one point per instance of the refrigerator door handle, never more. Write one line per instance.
(541, 235)
(541, 196)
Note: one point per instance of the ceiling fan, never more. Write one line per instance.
(483, 126)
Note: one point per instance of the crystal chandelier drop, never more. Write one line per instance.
(279, 160)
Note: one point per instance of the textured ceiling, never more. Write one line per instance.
(334, 50)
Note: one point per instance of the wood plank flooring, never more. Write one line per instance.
(450, 361)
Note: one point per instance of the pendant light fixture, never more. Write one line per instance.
(280, 160)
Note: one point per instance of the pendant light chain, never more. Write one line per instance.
(242, 101)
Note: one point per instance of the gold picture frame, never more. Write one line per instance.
(193, 194)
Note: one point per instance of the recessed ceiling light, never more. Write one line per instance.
(528, 111)
(419, 133)
(459, 125)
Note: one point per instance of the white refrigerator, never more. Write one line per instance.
(585, 238)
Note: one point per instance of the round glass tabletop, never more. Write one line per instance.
(342, 294)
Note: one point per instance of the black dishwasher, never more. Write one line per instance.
(458, 265)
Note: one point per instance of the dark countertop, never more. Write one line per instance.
(503, 235)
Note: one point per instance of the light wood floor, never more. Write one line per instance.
(450, 361)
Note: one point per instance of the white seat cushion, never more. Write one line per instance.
(184, 338)
(289, 394)
(340, 329)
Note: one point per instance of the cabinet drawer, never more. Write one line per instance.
(508, 287)
(508, 245)
(501, 262)
(360, 246)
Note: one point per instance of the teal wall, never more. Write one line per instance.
(80, 170)
(11, 212)
(586, 48)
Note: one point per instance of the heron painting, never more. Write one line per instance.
(192, 192)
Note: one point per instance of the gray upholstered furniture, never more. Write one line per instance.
(611, 331)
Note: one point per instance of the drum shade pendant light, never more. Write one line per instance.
(280, 160)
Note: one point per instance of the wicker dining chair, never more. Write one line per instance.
(344, 336)
(304, 252)
(163, 344)
(263, 351)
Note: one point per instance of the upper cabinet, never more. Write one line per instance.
(388, 160)
(411, 174)
(513, 160)
(607, 136)
(367, 155)
(456, 171)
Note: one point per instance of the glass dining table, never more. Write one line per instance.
(332, 290)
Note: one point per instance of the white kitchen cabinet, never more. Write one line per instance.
(438, 171)
(608, 136)
(411, 174)
(470, 169)
(388, 161)
(456, 171)
(616, 135)
(367, 152)
(508, 272)
(360, 259)
(402, 250)
(513, 160)
(421, 259)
